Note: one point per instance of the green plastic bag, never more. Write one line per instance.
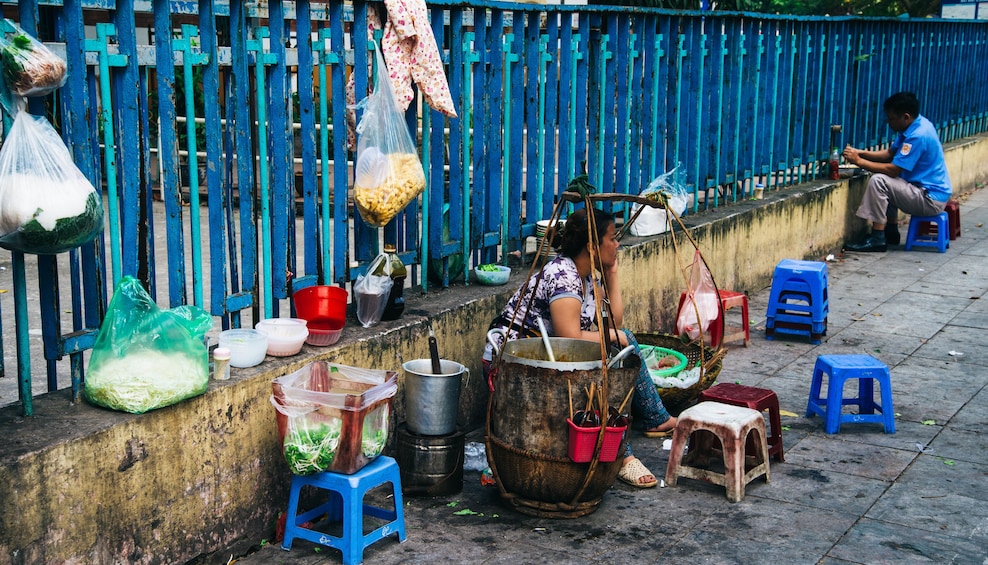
(146, 357)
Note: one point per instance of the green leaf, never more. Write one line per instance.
(453, 504)
(929, 422)
(465, 512)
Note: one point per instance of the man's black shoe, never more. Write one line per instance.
(874, 243)
(892, 235)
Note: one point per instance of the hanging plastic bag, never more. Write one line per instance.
(29, 68)
(47, 205)
(388, 173)
(370, 291)
(668, 187)
(145, 357)
(701, 298)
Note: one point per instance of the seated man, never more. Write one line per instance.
(910, 175)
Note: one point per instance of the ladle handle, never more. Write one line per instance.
(545, 340)
(621, 355)
(490, 338)
(434, 354)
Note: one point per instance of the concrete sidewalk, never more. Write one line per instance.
(859, 496)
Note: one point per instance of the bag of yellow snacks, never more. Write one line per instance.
(388, 172)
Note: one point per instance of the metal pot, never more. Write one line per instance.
(571, 354)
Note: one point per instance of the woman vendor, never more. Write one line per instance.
(564, 299)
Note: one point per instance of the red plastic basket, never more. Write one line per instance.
(582, 442)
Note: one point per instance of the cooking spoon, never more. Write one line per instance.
(545, 339)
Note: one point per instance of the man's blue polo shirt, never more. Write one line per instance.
(919, 154)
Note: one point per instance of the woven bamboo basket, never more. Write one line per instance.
(678, 399)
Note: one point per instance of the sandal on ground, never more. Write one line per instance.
(634, 472)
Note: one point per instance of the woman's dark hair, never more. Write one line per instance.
(575, 234)
(902, 103)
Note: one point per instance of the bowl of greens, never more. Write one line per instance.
(491, 274)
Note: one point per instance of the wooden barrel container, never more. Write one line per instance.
(528, 436)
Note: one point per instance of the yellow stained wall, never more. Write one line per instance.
(80, 484)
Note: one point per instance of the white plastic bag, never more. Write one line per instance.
(651, 220)
(370, 291)
(47, 205)
(701, 299)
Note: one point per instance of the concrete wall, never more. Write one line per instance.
(195, 481)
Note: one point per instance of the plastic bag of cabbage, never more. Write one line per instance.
(47, 205)
(146, 357)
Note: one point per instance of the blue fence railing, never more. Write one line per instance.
(218, 132)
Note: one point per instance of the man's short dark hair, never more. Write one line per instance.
(902, 103)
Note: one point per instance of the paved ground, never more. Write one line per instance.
(859, 496)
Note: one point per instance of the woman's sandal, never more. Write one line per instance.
(634, 471)
(653, 433)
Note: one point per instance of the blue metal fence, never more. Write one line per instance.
(250, 98)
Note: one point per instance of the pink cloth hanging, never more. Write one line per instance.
(411, 54)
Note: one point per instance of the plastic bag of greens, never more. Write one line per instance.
(47, 205)
(388, 172)
(146, 357)
(333, 417)
(29, 68)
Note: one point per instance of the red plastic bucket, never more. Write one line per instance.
(321, 304)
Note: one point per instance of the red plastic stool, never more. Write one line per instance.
(755, 398)
(718, 329)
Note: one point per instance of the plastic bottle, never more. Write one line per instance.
(834, 164)
(221, 363)
(396, 299)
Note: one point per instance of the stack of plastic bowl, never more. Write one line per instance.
(542, 227)
(324, 308)
(247, 347)
(285, 335)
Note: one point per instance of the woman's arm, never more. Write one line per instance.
(565, 314)
(614, 295)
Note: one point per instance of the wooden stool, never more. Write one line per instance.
(732, 425)
(760, 399)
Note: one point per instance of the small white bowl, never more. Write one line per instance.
(247, 347)
(285, 335)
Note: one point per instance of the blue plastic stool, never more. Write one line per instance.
(798, 303)
(937, 232)
(347, 498)
(839, 369)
